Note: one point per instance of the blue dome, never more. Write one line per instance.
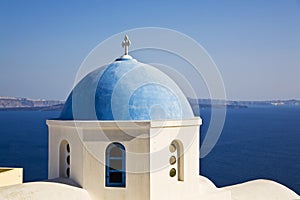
(126, 90)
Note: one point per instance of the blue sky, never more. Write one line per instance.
(255, 44)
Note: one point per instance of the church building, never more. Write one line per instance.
(127, 131)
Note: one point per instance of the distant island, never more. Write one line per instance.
(13, 103)
(242, 104)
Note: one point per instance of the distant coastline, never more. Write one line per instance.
(56, 107)
(242, 104)
(26, 104)
(13, 103)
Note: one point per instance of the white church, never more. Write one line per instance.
(127, 132)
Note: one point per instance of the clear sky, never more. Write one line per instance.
(255, 44)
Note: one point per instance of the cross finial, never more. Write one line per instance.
(125, 44)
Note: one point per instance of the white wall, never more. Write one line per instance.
(88, 146)
(57, 134)
(11, 176)
(147, 158)
(162, 185)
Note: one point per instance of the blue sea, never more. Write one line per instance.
(256, 143)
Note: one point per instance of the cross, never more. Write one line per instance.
(126, 43)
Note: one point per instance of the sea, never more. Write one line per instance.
(256, 143)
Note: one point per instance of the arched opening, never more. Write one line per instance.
(177, 148)
(115, 165)
(64, 159)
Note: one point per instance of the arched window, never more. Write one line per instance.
(64, 159)
(115, 165)
(176, 147)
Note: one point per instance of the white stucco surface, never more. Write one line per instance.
(11, 176)
(43, 191)
(261, 190)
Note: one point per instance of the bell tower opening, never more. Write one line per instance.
(64, 159)
(176, 147)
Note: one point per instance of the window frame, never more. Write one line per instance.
(108, 169)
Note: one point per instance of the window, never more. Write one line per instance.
(115, 165)
(176, 148)
(64, 159)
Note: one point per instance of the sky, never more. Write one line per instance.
(255, 44)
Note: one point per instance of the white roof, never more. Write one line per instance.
(261, 190)
(43, 191)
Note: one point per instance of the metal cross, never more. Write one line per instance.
(125, 44)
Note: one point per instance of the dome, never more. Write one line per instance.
(126, 90)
